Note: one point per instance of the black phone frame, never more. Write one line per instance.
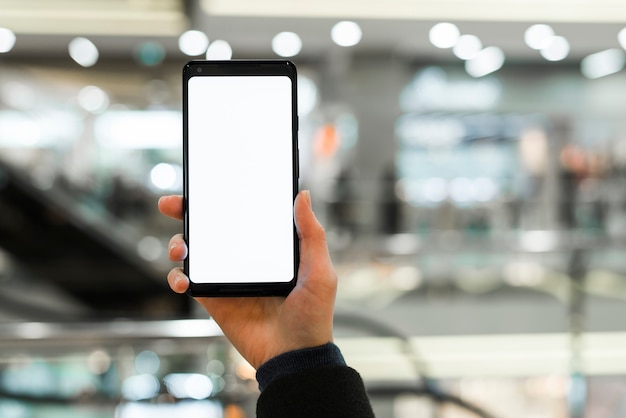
(199, 68)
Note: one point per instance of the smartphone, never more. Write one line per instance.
(240, 162)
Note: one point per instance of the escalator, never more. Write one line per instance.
(92, 259)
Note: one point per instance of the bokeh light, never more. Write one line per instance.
(435, 190)
(147, 362)
(150, 249)
(7, 40)
(487, 61)
(140, 387)
(444, 35)
(150, 54)
(287, 44)
(188, 385)
(98, 362)
(93, 99)
(219, 50)
(346, 33)
(193, 43)
(83, 51)
(556, 49)
(602, 64)
(164, 176)
(621, 37)
(537, 36)
(467, 47)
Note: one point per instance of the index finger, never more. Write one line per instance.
(171, 206)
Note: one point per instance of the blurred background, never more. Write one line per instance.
(468, 160)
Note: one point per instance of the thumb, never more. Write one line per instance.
(316, 271)
(306, 222)
(312, 235)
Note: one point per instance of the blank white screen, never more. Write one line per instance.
(240, 189)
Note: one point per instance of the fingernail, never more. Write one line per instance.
(307, 197)
(173, 245)
(177, 279)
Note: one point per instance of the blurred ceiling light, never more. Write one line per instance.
(621, 37)
(556, 49)
(537, 36)
(467, 47)
(7, 40)
(603, 63)
(93, 99)
(444, 35)
(193, 43)
(487, 61)
(219, 50)
(287, 44)
(346, 33)
(83, 51)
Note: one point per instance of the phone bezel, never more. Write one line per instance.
(240, 68)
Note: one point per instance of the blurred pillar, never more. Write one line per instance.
(372, 86)
(557, 199)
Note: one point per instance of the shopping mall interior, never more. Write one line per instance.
(467, 160)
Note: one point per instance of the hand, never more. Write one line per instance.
(261, 328)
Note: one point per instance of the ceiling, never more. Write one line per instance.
(400, 27)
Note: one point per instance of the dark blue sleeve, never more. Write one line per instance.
(299, 360)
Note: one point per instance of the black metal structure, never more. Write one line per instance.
(91, 260)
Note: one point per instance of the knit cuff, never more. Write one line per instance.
(298, 360)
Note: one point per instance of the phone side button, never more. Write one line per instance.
(297, 163)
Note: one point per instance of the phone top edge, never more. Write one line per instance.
(264, 61)
(240, 67)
